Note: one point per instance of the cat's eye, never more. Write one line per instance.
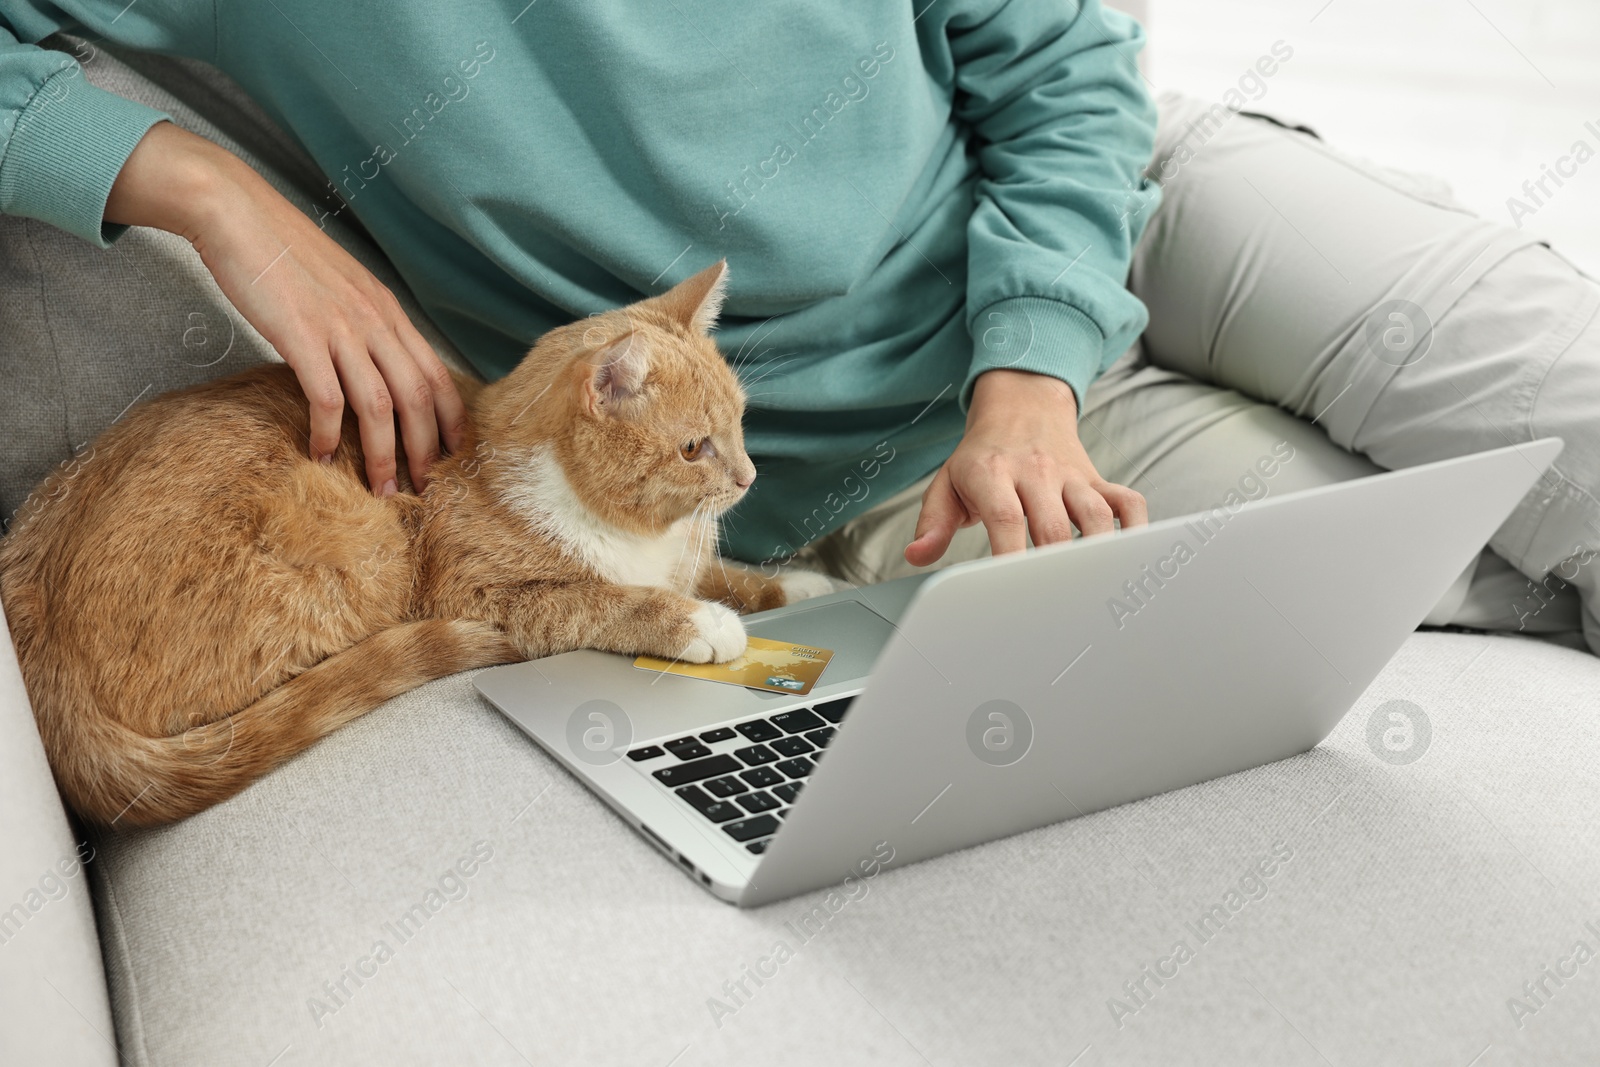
(695, 449)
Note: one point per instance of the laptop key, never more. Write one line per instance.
(756, 755)
(725, 787)
(797, 721)
(749, 829)
(787, 791)
(715, 810)
(721, 733)
(791, 746)
(821, 737)
(758, 847)
(697, 770)
(691, 751)
(834, 710)
(756, 802)
(794, 768)
(647, 752)
(759, 730)
(761, 777)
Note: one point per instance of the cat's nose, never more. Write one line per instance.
(745, 475)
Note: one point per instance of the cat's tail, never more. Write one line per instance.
(114, 776)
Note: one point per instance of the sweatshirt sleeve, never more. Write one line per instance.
(1064, 129)
(63, 141)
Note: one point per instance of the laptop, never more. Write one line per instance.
(1001, 695)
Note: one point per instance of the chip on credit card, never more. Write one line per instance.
(776, 666)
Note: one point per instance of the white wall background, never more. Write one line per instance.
(1478, 92)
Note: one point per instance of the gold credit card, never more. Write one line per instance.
(776, 666)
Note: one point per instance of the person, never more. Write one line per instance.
(983, 286)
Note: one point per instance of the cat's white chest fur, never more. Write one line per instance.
(538, 490)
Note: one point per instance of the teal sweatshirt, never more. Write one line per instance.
(908, 194)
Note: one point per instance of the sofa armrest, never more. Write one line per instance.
(53, 1002)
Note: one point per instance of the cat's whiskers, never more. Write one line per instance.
(757, 353)
(723, 567)
(694, 572)
(677, 568)
(752, 341)
(768, 370)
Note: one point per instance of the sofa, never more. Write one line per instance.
(426, 886)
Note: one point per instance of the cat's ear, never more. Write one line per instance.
(697, 301)
(615, 372)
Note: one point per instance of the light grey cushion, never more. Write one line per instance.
(1418, 898)
(52, 988)
(86, 332)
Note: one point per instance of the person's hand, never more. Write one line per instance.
(1020, 469)
(337, 326)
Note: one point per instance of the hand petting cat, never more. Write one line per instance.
(1020, 470)
(207, 601)
(338, 327)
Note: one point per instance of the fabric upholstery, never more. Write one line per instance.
(1417, 899)
(52, 987)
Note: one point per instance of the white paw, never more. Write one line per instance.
(803, 585)
(719, 635)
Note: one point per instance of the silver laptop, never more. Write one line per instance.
(1000, 695)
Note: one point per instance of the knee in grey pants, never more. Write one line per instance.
(1408, 328)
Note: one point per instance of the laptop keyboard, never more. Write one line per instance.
(744, 776)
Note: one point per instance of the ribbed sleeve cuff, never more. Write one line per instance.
(1035, 334)
(66, 149)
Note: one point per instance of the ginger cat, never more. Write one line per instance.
(197, 600)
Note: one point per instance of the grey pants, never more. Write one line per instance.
(1297, 294)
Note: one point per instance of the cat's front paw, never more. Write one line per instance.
(719, 635)
(803, 585)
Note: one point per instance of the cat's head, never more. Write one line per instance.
(637, 405)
